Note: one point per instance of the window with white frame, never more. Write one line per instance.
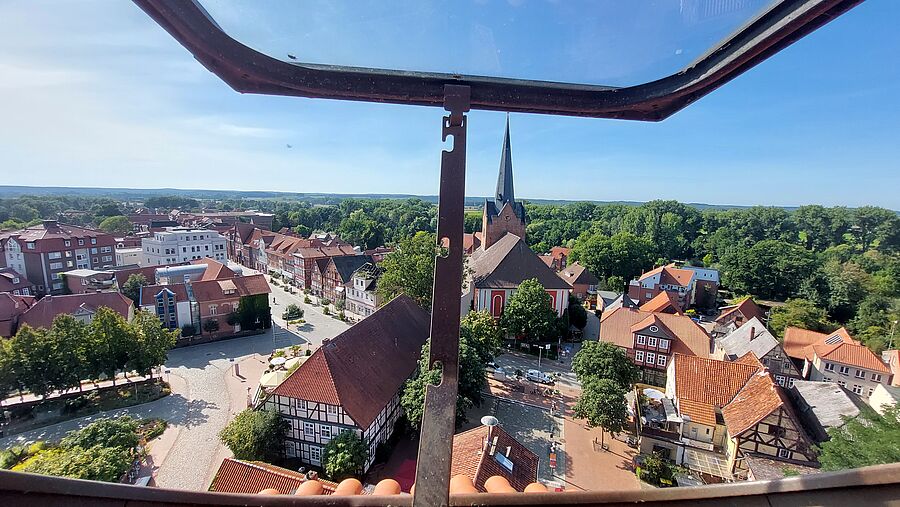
(663, 344)
(56, 265)
(860, 374)
(842, 383)
(639, 356)
(780, 380)
(331, 409)
(790, 382)
(871, 390)
(309, 430)
(325, 432)
(93, 241)
(213, 309)
(845, 370)
(29, 246)
(67, 243)
(315, 454)
(876, 377)
(641, 339)
(829, 366)
(857, 389)
(54, 255)
(652, 341)
(784, 453)
(661, 360)
(651, 357)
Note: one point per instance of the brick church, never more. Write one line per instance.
(499, 258)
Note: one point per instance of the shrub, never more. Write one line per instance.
(326, 311)
(211, 326)
(188, 330)
(325, 301)
(307, 300)
(292, 312)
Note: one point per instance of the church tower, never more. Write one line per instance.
(503, 214)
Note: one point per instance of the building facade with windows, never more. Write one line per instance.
(15, 283)
(362, 296)
(837, 357)
(753, 337)
(181, 244)
(650, 339)
(691, 286)
(49, 249)
(352, 382)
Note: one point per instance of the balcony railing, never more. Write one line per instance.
(878, 485)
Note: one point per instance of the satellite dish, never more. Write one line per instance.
(489, 420)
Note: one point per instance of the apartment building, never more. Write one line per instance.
(49, 249)
(182, 244)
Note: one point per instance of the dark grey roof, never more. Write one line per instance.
(505, 191)
(738, 342)
(346, 265)
(509, 262)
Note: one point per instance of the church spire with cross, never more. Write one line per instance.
(503, 214)
(505, 191)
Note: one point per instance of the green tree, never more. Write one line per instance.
(133, 285)
(480, 330)
(151, 343)
(577, 313)
(111, 339)
(255, 435)
(361, 229)
(624, 254)
(98, 463)
(68, 363)
(28, 353)
(800, 313)
(116, 225)
(656, 470)
(603, 360)
(867, 439)
(768, 269)
(120, 432)
(410, 270)
(344, 456)
(602, 403)
(211, 326)
(471, 381)
(615, 283)
(529, 313)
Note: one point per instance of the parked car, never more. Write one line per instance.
(539, 377)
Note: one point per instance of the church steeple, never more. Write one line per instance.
(504, 192)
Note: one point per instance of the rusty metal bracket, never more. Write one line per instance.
(439, 419)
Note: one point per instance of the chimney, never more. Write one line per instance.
(752, 333)
(50, 224)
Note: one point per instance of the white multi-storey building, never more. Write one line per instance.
(128, 256)
(182, 244)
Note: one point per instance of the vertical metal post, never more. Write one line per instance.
(439, 419)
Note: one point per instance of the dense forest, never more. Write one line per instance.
(834, 265)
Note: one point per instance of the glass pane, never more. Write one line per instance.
(610, 42)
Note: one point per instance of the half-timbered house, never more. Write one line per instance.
(352, 382)
(753, 336)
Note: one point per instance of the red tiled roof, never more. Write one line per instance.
(670, 275)
(214, 290)
(251, 477)
(215, 270)
(559, 252)
(796, 340)
(709, 381)
(469, 458)
(575, 273)
(364, 367)
(691, 339)
(662, 302)
(7, 275)
(759, 397)
(42, 313)
(747, 308)
(11, 309)
(853, 354)
(509, 262)
(51, 236)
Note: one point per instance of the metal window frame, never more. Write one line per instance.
(250, 71)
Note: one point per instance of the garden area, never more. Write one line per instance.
(108, 450)
(28, 416)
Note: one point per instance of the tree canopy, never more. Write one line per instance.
(344, 456)
(799, 313)
(133, 285)
(529, 313)
(603, 360)
(255, 435)
(602, 403)
(480, 330)
(118, 224)
(410, 270)
(867, 439)
(471, 380)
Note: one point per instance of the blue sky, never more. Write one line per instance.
(93, 93)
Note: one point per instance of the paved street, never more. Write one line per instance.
(205, 395)
(518, 360)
